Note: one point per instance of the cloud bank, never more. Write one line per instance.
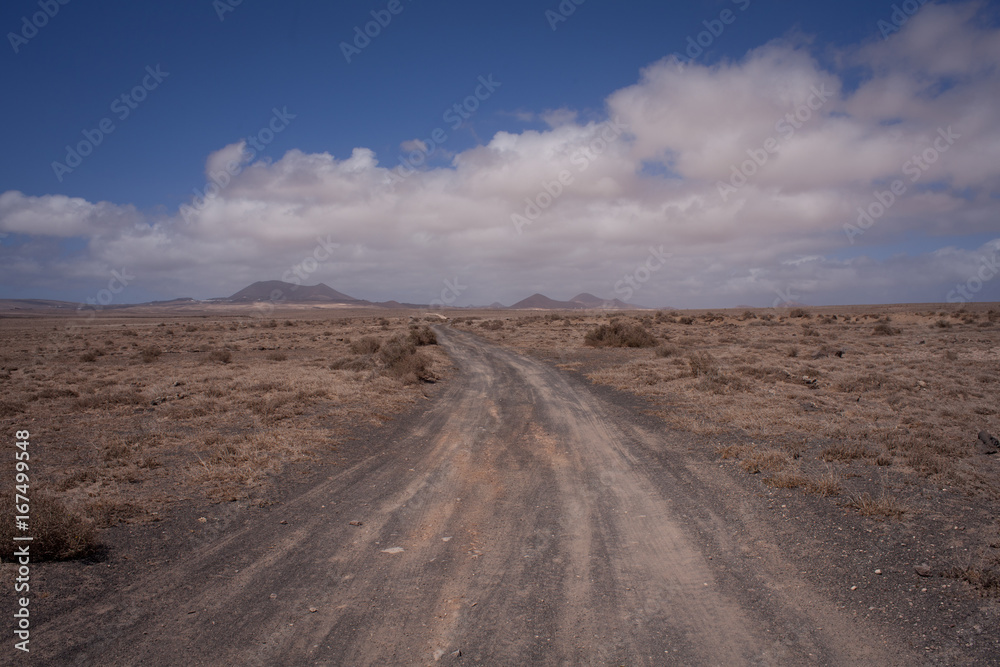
(777, 177)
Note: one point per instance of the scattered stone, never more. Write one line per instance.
(202, 519)
(987, 443)
(854, 588)
(273, 596)
(356, 523)
(924, 570)
(313, 610)
(456, 654)
(283, 521)
(878, 571)
(393, 550)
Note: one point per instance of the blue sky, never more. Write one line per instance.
(215, 74)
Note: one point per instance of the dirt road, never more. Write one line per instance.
(523, 520)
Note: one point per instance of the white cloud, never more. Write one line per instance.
(832, 147)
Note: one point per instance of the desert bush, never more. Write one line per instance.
(366, 345)
(277, 356)
(222, 355)
(792, 352)
(111, 397)
(685, 320)
(361, 363)
(667, 351)
(787, 479)
(825, 486)
(423, 336)
(402, 361)
(883, 505)
(492, 325)
(799, 312)
(150, 354)
(190, 328)
(883, 329)
(10, 408)
(619, 334)
(702, 363)
(90, 356)
(58, 532)
(846, 451)
(943, 324)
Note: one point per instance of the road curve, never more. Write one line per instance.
(523, 520)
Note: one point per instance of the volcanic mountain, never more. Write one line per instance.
(277, 290)
(580, 301)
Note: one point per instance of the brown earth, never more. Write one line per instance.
(523, 515)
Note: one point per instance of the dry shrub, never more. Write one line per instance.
(57, 392)
(361, 363)
(222, 356)
(89, 357)
(799, 312)
(883, 329)
(277, 356)
(702, 363)
(111, 397)
(492, 325)
(402, 361)
(10, 408)
(733, 451)
(787, 479)
(825, 486)
(847, 451)
(150, 354)
(764, 460)
(423, 336)
(667, 351)
(619, 334)
(366, 345)
(58, 532)
(882, 506)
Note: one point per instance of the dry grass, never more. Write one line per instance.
(898, 388)
(127, 416)
(882, 505)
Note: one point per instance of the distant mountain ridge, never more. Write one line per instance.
(580, 301)
(277, 290)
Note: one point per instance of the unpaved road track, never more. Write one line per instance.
(538, 523)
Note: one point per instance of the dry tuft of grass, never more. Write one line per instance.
(58, 532)
(883, 505)
(620, 334)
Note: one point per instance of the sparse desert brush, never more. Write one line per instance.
(402, 360)
(792, 352)
(667, 351)
(809, 331)
(826, 486)
(150, 353)
(787, 479)
(221, 355)
(277, 356)
(10, 408)
(764, 459)
(943, 324)
(883, 505)
(883, 329)
(111, 397)
(619, 334)
(799, 312)
(685, 320)
(492, 325)
(423, 335)
(702, 363)
(366, 345)
(89, 357)
(58, 532)
(847, 451)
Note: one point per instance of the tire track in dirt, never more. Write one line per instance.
(538, 525)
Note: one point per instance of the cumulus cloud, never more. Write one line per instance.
(755, 174)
